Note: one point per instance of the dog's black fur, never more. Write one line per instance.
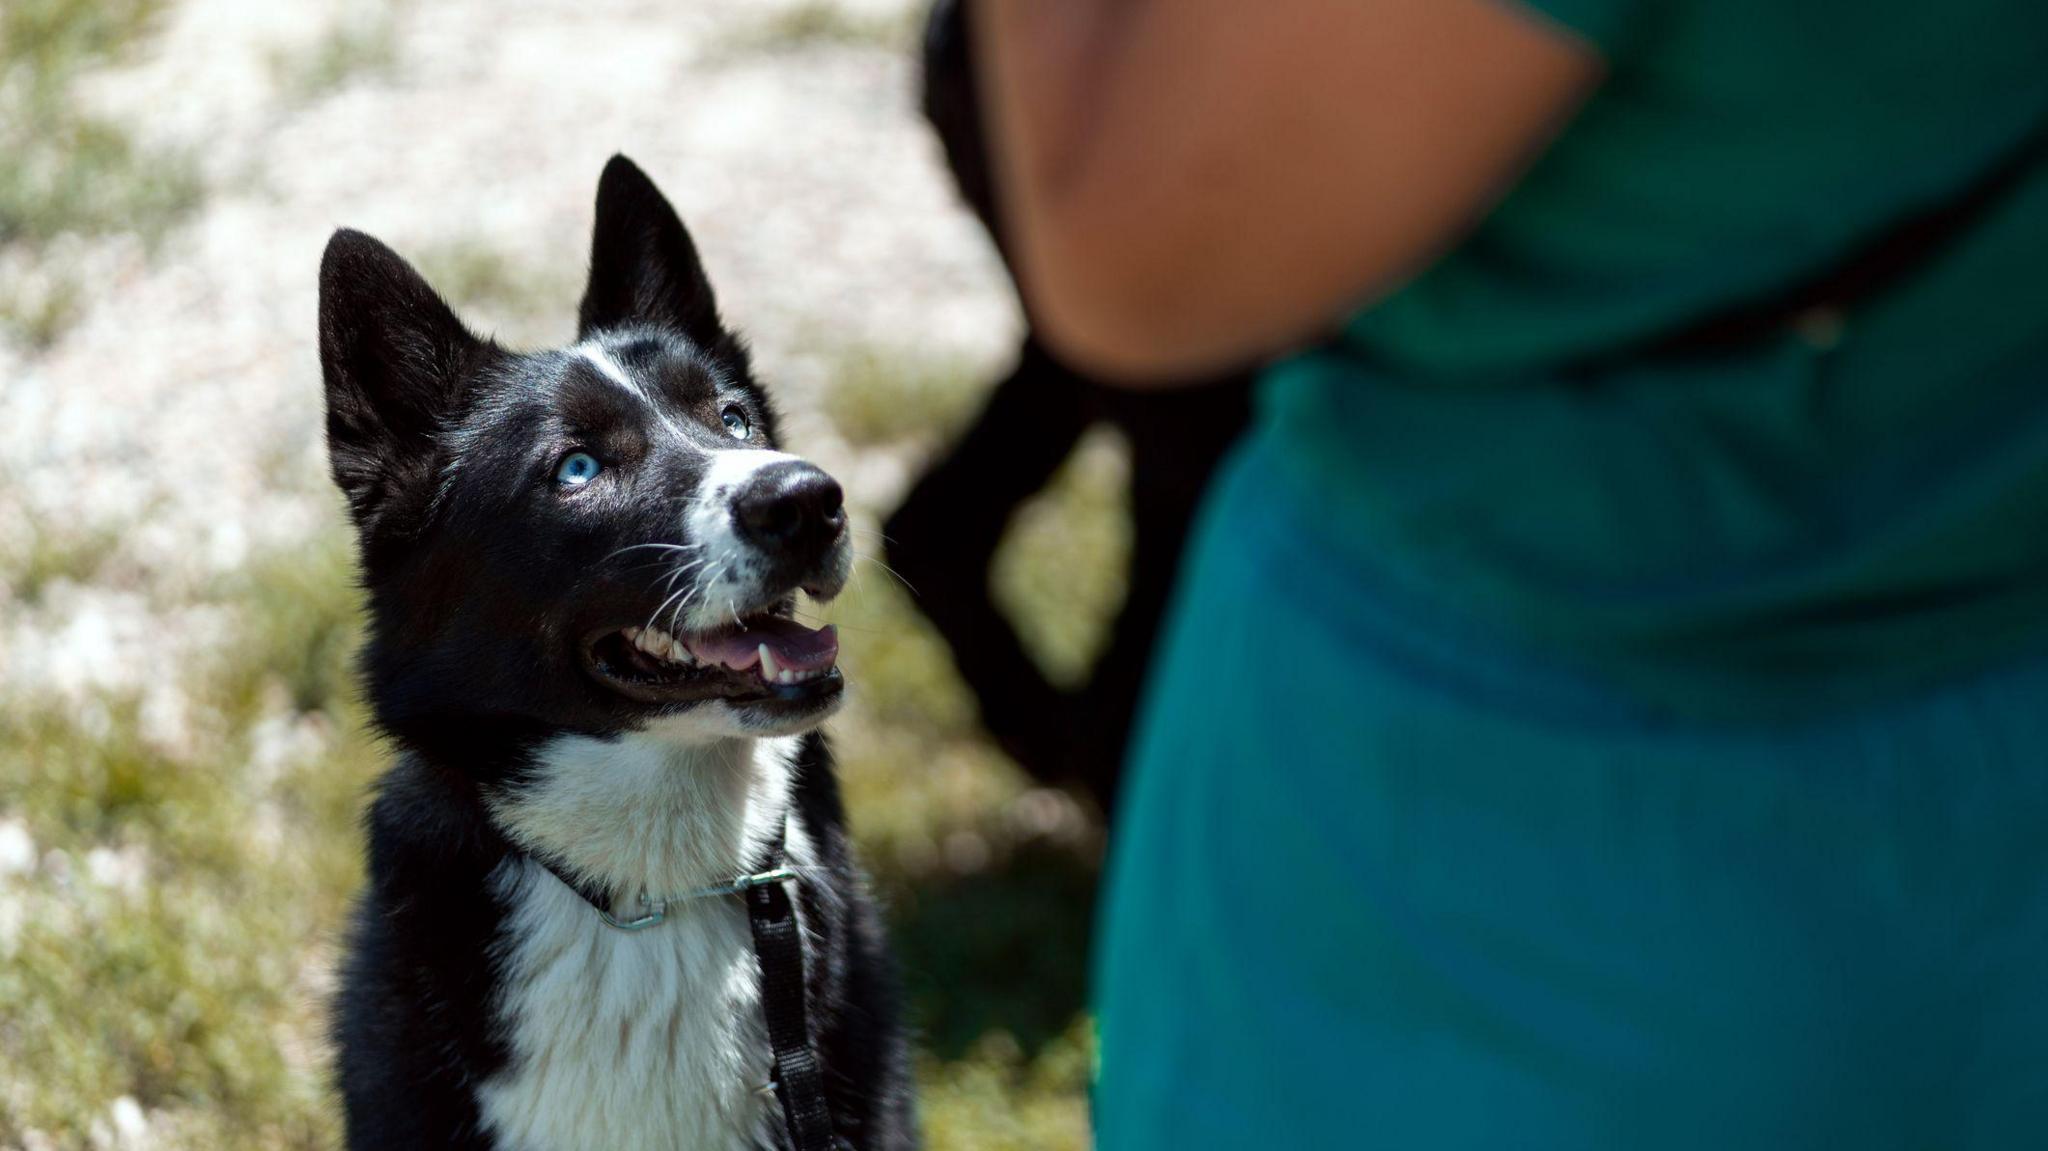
(485, 584)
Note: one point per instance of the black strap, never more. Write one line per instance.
(779, 948)
(1868, 271)
(785, 1003)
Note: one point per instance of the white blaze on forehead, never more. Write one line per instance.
(596, 356)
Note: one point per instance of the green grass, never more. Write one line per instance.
(525, 305)
(363, 46)
(197, 992)
(823, 23)
(39, 555)
(1059, 572)
(68, 172)
(50, 38)
(193, 986)
(881, 396)
(73, 174)
(998, 1098)
(39, 306)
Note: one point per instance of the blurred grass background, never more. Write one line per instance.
(67, 171)
(172, 886)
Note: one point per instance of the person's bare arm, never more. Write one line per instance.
(1191, 183)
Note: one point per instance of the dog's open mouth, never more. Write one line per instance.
(765, 659)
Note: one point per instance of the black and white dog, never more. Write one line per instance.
(582, 566)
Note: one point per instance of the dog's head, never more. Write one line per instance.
(591, 539)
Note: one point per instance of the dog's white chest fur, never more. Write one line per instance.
(630, 1041)
(650, 1039)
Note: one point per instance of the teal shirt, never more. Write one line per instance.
(1645, 757)
(1789, 527)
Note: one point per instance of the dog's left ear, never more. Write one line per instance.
(643, 267)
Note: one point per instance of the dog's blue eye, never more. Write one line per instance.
(577, 468)
(736, 422)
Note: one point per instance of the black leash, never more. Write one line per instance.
(779, 948)
(785, 1002)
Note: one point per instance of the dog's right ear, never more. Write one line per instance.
(643, 267)
(394, 357)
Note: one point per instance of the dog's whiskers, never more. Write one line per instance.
(657, 546)
(678, 573)
(817, 620)
(676, 617)
(877, 561)
(657, 611)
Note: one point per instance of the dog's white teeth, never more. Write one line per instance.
(787, 677)
(659, 644)
(769, 671)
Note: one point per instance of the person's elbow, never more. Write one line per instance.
(1144, 314)
(1135, 318)
(1126, 336)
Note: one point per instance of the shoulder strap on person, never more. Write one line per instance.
(1822, 303)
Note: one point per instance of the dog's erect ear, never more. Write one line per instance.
(643, 267)
(394, 357)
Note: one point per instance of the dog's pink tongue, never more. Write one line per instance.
(796, 647)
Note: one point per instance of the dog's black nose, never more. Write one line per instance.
(791, 507)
